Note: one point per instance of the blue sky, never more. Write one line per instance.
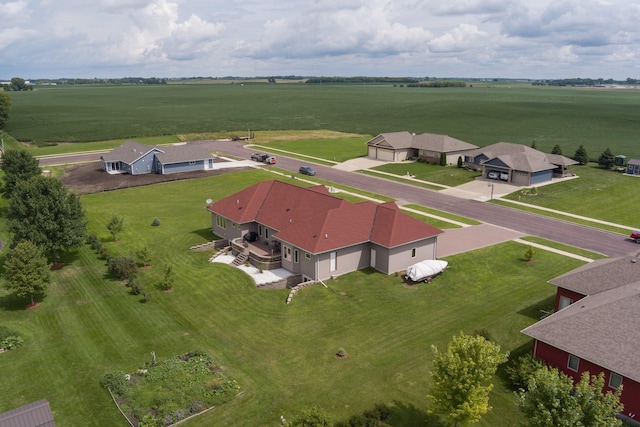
(185, 38)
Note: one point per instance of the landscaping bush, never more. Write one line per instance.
(104, 252)
(122, 267)
(11, 342)
(136, 288)
(155, 222)
(521, 370)
(6, 332)
(115, 381)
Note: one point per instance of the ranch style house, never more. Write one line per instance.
(596, 327)
(518, 163)
(315, 235)
(135, 158)
(400, 146)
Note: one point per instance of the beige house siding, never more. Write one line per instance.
(347, 260)
(400, 257)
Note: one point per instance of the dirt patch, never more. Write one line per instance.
(87, 178)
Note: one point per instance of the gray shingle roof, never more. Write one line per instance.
(600, 275)
(36, 414)
(424, 141)
(182, 153)
(128, 152)
(521, 157)
(603, 328)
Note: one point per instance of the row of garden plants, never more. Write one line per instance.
(167, 391)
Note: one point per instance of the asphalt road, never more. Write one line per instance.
(610, 244)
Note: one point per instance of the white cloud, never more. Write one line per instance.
(48, 38)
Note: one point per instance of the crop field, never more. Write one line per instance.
(281, 355)
(482, 114)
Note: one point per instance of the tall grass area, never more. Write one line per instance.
(480, 115)
(282, 355)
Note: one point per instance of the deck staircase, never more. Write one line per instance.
(240, 259)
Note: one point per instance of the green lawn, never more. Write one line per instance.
(601, 194)
(281, 355)
(334, 150)
(451, 176)
(480, 115)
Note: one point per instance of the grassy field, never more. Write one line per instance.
(480, 115)
(282, 355)
(597, 193)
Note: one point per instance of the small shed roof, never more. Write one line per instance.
(36, 414)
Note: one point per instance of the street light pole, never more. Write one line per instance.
(491, 185)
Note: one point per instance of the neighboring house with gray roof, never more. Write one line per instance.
(36, 414)
(522, 165)
(596, 326)
(400, 146)
(633, 167)
(135, 158)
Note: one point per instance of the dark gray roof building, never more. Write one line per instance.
(36, 414)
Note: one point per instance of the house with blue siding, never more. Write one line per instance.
(135, 158)
(633, 167)
(518, 163)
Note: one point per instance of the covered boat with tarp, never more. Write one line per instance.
(425, 270)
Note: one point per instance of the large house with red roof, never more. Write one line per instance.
(596, 326)
(313, 234)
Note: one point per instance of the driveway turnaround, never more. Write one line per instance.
(458, 240)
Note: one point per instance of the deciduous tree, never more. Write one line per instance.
(18, 165)
(551, 399)
(115, 226)
(5, 108)
(461, 378)
(43, 211)
(26, 270)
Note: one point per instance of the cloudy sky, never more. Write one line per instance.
(455, 38)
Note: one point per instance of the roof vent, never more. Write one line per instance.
(633, 260)
(326, 236)
(290, 220)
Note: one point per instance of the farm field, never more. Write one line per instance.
(281, 355)
(482, 114)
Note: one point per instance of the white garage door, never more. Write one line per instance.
(386, 155)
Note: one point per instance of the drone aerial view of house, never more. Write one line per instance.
(400, 146)
(316, 235)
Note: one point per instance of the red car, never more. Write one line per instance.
(635, 235)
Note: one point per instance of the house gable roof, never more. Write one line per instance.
(521, 157)
(392, 227)
(425, 141)
(314, 220)
(603, 328)
(182, 153)
(128, 152)
(600, 275)
(35, 414)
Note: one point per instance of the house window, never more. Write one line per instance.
(287, 252)
(564, 302)
(307, 255)
(221, 221)
(295, 256)
(260, 230)
(615, 380)
(234, 225)
(266, 233)
(413, 252)
(573, 363)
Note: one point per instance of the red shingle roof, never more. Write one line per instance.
(316, 221)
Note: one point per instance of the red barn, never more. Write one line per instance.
(596, 327)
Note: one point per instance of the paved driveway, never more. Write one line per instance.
(458, 240)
